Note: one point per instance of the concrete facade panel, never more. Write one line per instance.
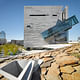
(36, 20)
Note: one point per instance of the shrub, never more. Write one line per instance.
(10, 49)
(8, 53)
(0, 49)
(5, 50)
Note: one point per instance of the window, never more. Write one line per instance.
(28, 26)
(54, 15)
(39, 15)
(63, 26)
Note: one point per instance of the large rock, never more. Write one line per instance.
(42, 77)
(77, 68)
(37, 56)
(69, 50)
(61, 55)
(1, 76)
(46, 64)
(76, 51)
(51, 75)
(42, 54)
(56, 52)
(46, 59)
(45, 54)
(43, 71)
(53, 72)
(55, 67)
(53, 54)
(29, 57)
(67, 69)
(66, 77)
(48, 55)
(4, 79)
(74, 65)
(65, 60)
(76, 76)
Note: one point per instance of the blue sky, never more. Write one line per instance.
(12, 16)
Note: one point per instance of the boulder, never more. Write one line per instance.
(42, 77)
(42, 54)
(51, 75)
(53, 72)
(55, 67)
(46, 64)
(67, 69)
(61, 55)
(76, 76)
(48, 55)
(43, 71)
(4, 79)
(1, 76)
(46, 59)
(66, 77)
(77, 68)
(65, 60)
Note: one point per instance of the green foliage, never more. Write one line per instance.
(10, 49)
(0, 49)
(5, 50)
(8, 53)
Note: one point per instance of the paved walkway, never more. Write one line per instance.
(32, 51)
(55, 46)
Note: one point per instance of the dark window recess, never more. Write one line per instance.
(38, 15)
(28, 26)
(54, 15)
(62, 16)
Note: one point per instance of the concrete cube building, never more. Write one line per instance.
(40, 18)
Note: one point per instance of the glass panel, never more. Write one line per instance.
(63, 26)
